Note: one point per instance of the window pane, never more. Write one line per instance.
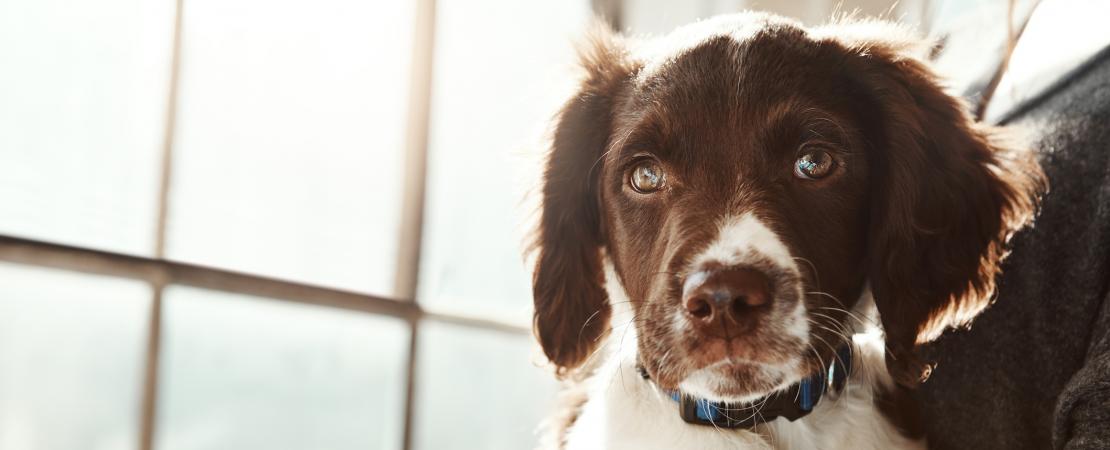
(501, 402)
(290, 137)
(83, 87)
(242, 372)
(72, 351)
(492, 99)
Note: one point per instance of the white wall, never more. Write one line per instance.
(661, 16)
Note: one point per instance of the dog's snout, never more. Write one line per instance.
(722, 303)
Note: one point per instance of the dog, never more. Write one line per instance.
(747, 227)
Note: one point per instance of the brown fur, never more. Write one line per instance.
(571, 309)
(953, 193)
(921, 204)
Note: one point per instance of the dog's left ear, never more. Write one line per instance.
(947, 194)
(568, 284)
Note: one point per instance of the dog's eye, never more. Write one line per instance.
(814, 165)
(646, 177)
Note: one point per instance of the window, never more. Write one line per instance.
(71, 357)
(289, 139)
(299, 377)
(248, 224)
(467, 259)
(82, 112)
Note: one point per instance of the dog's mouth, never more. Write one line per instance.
(743, 368)
(772, 355)
(750, 368)
(740, 381)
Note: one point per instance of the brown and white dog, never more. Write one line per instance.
(725, 208)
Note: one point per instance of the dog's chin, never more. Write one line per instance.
(739, 382)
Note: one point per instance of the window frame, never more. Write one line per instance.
(159, 272)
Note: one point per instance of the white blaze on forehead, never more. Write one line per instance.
(737, 238)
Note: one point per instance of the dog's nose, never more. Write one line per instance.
(724, 303)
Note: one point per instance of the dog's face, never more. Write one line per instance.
(734, 195)
(746, 179)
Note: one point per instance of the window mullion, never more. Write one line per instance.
(414, 179)
(149, 406)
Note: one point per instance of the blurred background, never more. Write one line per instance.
(278, 224)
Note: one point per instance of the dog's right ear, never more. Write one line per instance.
(571, 305)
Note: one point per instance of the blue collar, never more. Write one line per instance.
(792, 403)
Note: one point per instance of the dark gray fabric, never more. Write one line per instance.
(1034, 370)
(1083, 411)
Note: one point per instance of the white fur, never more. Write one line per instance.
(705, 382)
(737, 236)
(624, 411)
(739, 241)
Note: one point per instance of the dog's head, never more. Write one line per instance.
(747, 179)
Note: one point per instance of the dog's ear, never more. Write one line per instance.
(947, 194)
(571, 305)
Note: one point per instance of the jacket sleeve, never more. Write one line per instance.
(1082, 418)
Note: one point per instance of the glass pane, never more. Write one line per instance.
(83, 90)
(242, 372)
(492, 99)
(290, 138)
(72, 352)
(478, 389)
